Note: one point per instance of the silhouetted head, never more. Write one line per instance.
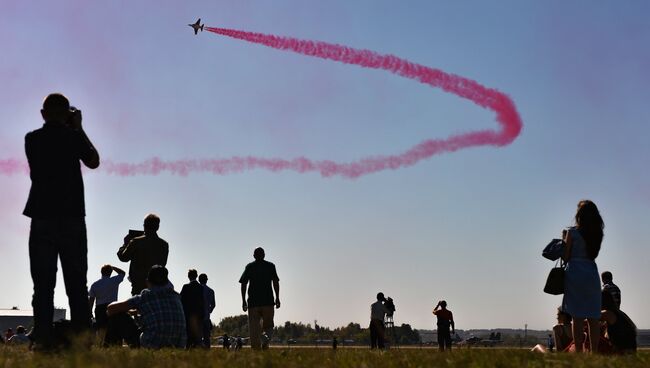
(443, 303)
(606, 277)
(563, 317)
(56, 108)
(151, 223)
(590, 225)
(258, 254)
(20, 329)
(158, 276)
(107, 270)
(192, 274)
(380, 297)
(203, 278)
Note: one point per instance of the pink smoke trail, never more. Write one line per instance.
(506, 115)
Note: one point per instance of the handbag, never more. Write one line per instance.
(554, 249)
(555, 280)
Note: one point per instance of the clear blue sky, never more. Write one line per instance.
(467, 227)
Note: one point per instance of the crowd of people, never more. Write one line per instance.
(590, 318)
(157, 316)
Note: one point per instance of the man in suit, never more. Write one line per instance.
(193, 306)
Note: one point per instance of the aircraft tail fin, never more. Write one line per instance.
(202, 27)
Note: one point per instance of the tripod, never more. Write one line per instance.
(389, 325)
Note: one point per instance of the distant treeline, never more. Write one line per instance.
(302, 333)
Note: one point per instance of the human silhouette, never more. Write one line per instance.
(56, 207)
(621, 331)
(160, 310)
(377, 329)
(610, 287)
(194, 308)
(144, 252)
(208, 306)
(582, 293)
(103, 292)
(226, 342)
(445, 321)
(258, 276)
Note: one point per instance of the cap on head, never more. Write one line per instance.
(151, 222)
(259, 253)
(192, 274)
(203, 278)
(158, 275)
(20, 329)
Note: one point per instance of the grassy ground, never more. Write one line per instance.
(124, 358)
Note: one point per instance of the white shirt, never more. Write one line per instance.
(19, 338)
(105, 289)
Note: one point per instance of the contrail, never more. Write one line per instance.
(492, 99)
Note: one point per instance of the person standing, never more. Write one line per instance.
(445, 320)
(208, 305)
(56, 207)
(258, 277)
(611, 288)
(144, 252)
(193, 306)
(103, 292)
(582, 293)
(377, 328)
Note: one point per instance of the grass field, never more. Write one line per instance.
(310, 357)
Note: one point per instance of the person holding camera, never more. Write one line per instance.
(144, 250)
(377, 329)
(56, 207)
(445, 320)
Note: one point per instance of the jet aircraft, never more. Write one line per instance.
(197, 26)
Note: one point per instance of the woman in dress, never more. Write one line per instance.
(582, 294)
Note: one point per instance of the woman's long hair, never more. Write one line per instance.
(590, 225)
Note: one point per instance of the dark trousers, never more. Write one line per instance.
(119, 328)
(49, 241)
(444, 340)
(194, 327)
(207, 329)
(376, 334)
(101, 319)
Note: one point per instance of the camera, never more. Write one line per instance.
(74, 115)
(390, 306)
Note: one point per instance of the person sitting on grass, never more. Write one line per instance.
(621, 331)
(162, 319)
(20, 338)
(562, 335)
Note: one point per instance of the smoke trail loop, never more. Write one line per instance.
(506, 116)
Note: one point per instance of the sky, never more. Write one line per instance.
(467, 227)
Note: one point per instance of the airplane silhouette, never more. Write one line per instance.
(197, 26)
